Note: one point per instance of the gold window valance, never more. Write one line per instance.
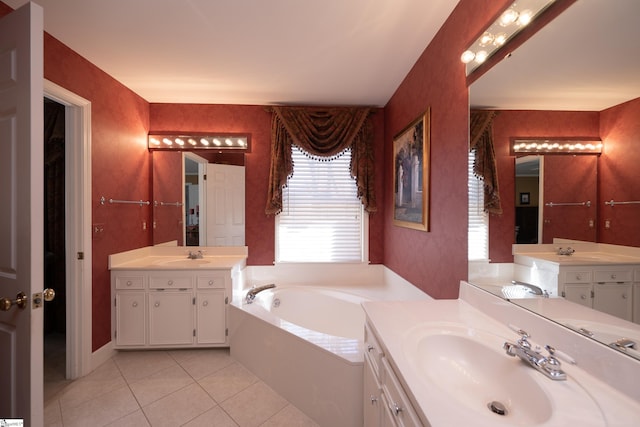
(485, 167)
(323, 133)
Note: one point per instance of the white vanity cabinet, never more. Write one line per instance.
(606, 288)
(385, 402)
(170, 308)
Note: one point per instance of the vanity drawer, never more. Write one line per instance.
(171, 282)
(129, 282)
(603, 276)
(212, 280)
(577, 276)
(373, 350)
(398, 402)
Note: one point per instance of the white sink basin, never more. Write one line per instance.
(470, 371)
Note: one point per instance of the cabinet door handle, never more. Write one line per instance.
(624, 296)
(170, 283)
(134, 304)
(129, 283)
(369, 348)
(613, 276)
(578, 277)
(583, 296)
(374, 399)
(395, 409)
(157, 304)
(205, 303)
(211, 282)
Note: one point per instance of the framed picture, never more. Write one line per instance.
(525, 198)
(411, 174)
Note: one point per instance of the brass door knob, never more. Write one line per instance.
(48, 294)
(20, 301)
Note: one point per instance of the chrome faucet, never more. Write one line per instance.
(565, 251)
(549, 365)
(532, 288)
(195, 255)
(251, 294)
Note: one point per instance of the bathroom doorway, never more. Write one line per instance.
(54, 241)
(68, 266)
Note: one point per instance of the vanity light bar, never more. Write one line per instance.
(550, 146)
(508, 24)
(181, 142)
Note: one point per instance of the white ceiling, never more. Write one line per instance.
(587, 59)
(339, 52)
(331, 52)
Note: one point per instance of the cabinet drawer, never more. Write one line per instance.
(129, 282)
(603, 276)
(373, 349)
(212, 281)
(577, 276)
(398, 402)
(171, 282)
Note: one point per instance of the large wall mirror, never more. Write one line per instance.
(575, 77)
(198, 198)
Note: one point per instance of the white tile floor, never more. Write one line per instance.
(166, 388)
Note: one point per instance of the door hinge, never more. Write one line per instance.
(563, 295)
(194, 301)
(226, 332)
(115, 302)
(592, 294)
(226, 300)
(204, 177)
(194, 332)
(80, 255)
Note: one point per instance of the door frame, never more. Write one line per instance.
(77, 228)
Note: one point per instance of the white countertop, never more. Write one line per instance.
(176, 258)
(586, 258)
(393, 321)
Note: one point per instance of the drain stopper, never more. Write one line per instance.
(497, 407)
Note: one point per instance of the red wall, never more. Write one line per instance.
(120, 165)
(260, 228)
(525, 123)
(436, 260)
(619, 165)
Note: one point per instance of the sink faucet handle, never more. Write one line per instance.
(523, 336)
(557, 354)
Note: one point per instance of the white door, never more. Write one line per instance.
(21, 207)
(225, 205)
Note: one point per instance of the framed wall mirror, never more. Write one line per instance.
(198, 198)
(570, 79)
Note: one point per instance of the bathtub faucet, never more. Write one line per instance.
(536, 290)
(251, 294)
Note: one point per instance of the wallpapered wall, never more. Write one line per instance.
(619, 129)
(436, 260)
(260, 229)
(525, 123)
(618, 173)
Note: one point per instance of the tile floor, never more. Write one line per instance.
(165, 388)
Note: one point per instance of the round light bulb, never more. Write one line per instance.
(486, 39)
(481, 56)
(525, 17)
(467, 56)
(508, 17)
(499, 39)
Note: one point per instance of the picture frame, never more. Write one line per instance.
(525, 198)
(411, 154)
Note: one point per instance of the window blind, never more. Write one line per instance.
(478, 218)
(322, 217)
